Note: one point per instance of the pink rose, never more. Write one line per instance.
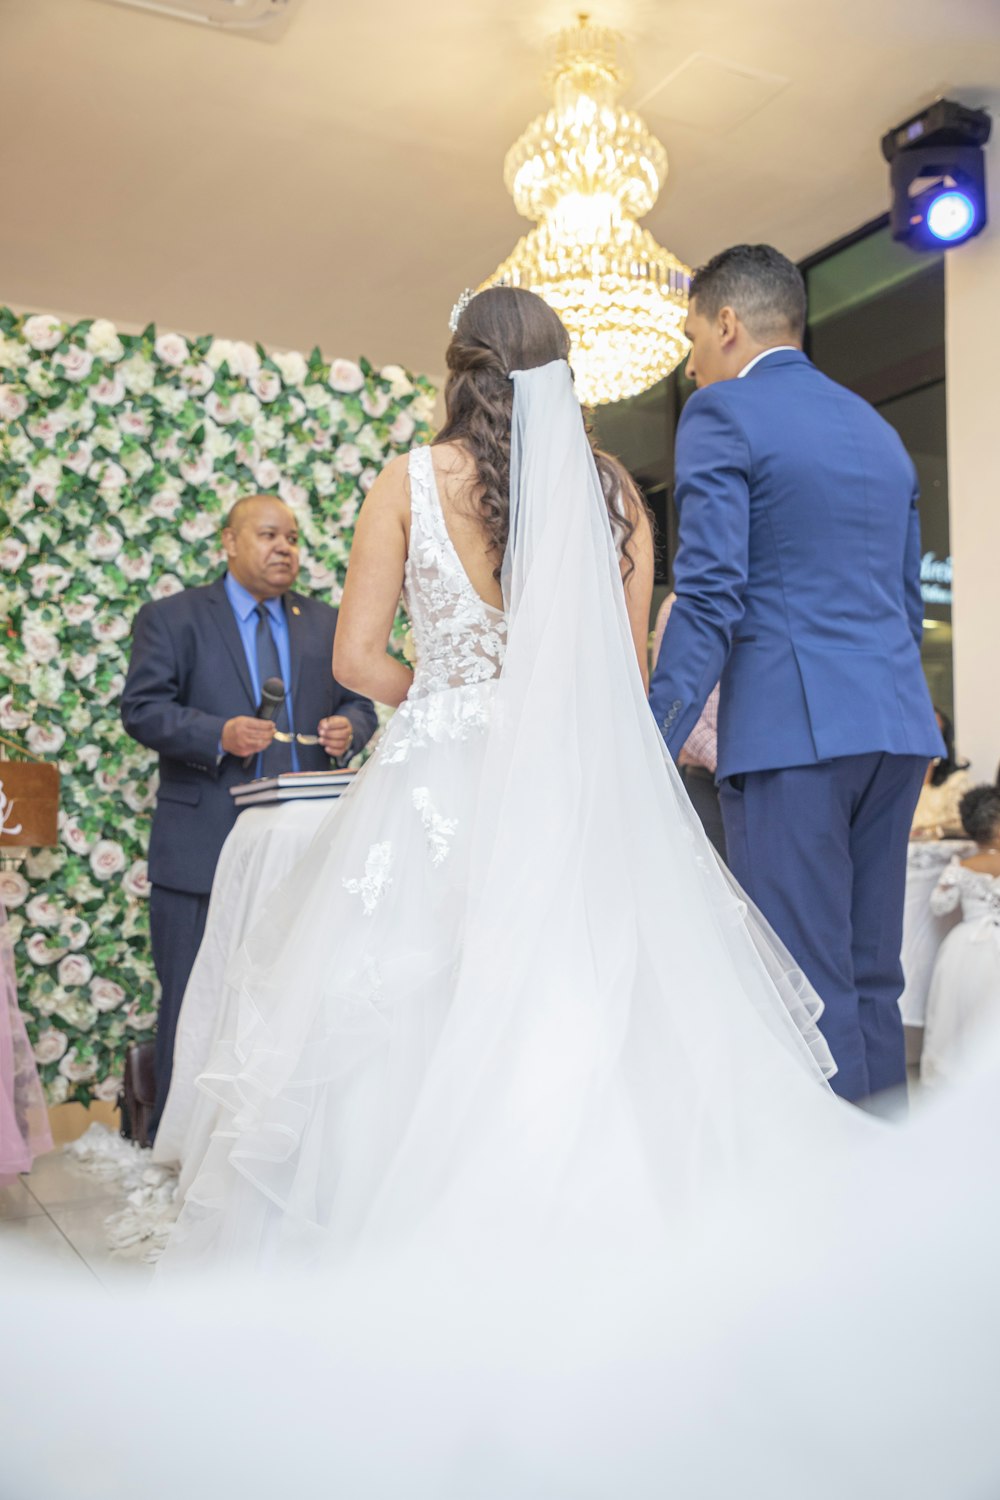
(38, 950)
(13, 889)
(165, 504)
(74, 969)
(48, 578)
(103, 542)
(43, 331)
(109, 391)
(402, 429)
(221, 410)
(296, 496)
(198, 528)
(42, 911)
(12, 554)
(107, 859)
(165, 586)
(375, 403)
(105, 994)
(134, 423)
(172, 349)
(40, 644)
(77, 1069)
(76, 363)
(84, 665)
(347, 459)
(79, 457)
(108, 474)
(51, 1045)
(46, 739)
(135, 568)
(266, 384)
(136, 881)
(345, 376)
(11, 717)
(110, 628)
(108, 1089)
(199, 378)
(196, 471)
(266, 474)
(79, 611)
(140, 1020)
(73, 835)
(13, 404)
(367, 479)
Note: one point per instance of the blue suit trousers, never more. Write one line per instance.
(821, 850)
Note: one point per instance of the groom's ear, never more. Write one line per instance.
(727, 326)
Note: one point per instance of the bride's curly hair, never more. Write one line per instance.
(504, 329)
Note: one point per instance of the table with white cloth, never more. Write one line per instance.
(923, 932)
(265, 844)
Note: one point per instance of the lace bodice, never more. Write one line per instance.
(978, 893)
(458, 638)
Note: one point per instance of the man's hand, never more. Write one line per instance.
(244, 736)
(336, 735)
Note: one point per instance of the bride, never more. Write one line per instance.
(509, 995)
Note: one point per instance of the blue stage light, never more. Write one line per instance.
(952, 216)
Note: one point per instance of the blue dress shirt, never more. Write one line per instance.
(244, 607)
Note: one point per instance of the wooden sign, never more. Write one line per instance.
(29, 804)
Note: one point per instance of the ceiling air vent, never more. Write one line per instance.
(264, 19)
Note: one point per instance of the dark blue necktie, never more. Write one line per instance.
(278, 755)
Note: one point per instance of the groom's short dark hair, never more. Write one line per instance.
(762, 286)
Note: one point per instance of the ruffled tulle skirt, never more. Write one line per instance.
(447, 1036)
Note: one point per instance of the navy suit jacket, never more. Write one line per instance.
(187, 675)
(797, 576)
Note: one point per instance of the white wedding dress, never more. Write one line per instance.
(509, 997)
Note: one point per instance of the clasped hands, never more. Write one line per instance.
(245, 735)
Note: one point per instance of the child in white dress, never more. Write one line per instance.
(965, 987)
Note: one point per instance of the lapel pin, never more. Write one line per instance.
(296, 610)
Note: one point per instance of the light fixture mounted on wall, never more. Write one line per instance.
(586, 171)
(938, 175)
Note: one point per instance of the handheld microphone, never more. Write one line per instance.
(272, 696)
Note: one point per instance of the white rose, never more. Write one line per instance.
(11, 717)
(42, 331)
(347, 459)
(12, 554)
(39, 643)
(57, 1092)
(105, 994)
(76, 364)
(375, 403)
(317, 397)
(107, 858)
(79, 611)
(227, 490)
(421, 408)
(42, 864)
(266, 474)
(296, 496)
(137, 463)
(165, 586)
(402, 429)
(47, 473)
(77, 1069)
(104, 543)
(199, 378)
(75, 932)
(42, 911)
(165, 504)
(82, 666)
(48, 578)
(198, 528)
(47, 683)
(134, 424)
(73, 835)
(292, 366)
(367, 478)
(324, 479)
(196, 471)
(12, 353)
(102, 340)
(38, 950)
(110, 628)
(172, 349)
(171, 399)
(13, 404)
(40, 381)
(108, 1089)
(266, 384)
(136, 881)
(46, 739)
(79, 458)
(138, 374)
(397, 379)
(220, 409)
(140, 1020)
(89, 755)
(109, 391)
(13, 889)
(248, 409)
(218, 443)
(107, 474)
(75, 969)
(135, 568)
(345, 375)
(51, 1045)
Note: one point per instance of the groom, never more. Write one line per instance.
(797, 580)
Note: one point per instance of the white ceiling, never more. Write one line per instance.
(342, 185)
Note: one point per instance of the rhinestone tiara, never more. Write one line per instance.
(466, 298)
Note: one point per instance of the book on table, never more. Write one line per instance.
(291, 786)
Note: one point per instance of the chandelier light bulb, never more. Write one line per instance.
(586, 171)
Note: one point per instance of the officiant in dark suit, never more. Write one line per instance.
(192, 694)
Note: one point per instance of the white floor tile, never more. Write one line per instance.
(56, 1179)
(49, 1250)
(84, 1227)
(17, 1203)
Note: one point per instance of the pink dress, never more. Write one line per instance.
(24, 1122)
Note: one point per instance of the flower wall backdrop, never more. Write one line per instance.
(119, 456)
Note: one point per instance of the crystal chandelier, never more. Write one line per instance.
(586, 171)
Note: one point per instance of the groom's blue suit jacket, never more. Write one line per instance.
(797, 576)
